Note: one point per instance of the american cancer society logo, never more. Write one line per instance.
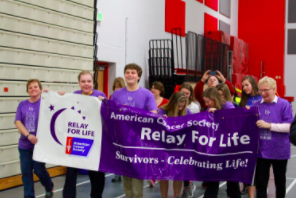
(77, 145)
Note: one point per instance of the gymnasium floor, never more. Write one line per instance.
(115, 190)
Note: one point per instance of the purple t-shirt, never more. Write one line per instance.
(162, 111)
(95, 93)
(141, 98)
(228, 105)
(28, 113)
(252, 99)
(274, 145)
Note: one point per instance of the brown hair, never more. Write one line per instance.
(120, 82)
(158, 85)
(33, 80)
(213, 94)
(171, 108)
(134, 66)
(83, 72)
(255, 91)
(186, 85)
(226, 92)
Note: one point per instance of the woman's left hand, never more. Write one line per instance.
(212, 110)
(263, 124)
(220, 76)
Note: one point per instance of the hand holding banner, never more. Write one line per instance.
(128, 141)
(69, 131)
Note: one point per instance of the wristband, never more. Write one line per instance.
(28, 135)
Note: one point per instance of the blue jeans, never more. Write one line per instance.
(27, 165)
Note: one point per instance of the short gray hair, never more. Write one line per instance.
(268, 81)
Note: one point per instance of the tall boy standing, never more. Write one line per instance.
(135, 96)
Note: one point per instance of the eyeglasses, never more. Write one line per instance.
(264, 90)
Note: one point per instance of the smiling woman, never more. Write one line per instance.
(26, 120)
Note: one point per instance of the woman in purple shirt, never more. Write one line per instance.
(174, 108)
(97, 178)
(274, 147)
(214, 101)
(26, 121)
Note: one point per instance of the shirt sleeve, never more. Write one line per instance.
(18, 115)
(198, 91)
(113, 97)
(231, 89)
(103, 94)
(283, 128)
(150, 102)
(188, 112)
(194, 108)
(287, 116)
(161, 112)
(228, 105)
(293, 132)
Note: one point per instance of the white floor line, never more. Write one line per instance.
(290, 186)
(143, 188)
(286, 178)
(293, 156)
(79, 184)
(219, 187)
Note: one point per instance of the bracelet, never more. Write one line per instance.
(28, 135)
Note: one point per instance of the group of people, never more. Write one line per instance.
(211, 93)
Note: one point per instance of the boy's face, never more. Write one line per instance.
(131, 76)
(86, 83)
(34, 89)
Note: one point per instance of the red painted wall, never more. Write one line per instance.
(262, 25)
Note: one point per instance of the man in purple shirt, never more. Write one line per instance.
(135, 96)
(274, 147)
(97, 178)
(26, 121)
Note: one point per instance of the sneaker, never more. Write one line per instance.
(151, 183)
(244, 191)
(49, 194)
(191, 189)
(116, 179)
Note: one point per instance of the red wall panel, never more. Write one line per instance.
(262, 25)
(175, 15)
(211, 23)
(212, 4)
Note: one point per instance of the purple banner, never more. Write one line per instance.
(199, 147)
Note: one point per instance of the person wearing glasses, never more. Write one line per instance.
(276, 116)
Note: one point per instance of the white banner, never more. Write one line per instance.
(69, 131)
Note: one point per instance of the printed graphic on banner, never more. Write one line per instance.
(69, 130)
(78, 146)
(199, 147)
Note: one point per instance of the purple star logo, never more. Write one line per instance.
(51, 107)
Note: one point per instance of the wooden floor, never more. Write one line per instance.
(115, 190)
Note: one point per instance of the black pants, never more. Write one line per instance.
(213, 188)
(97, 180)
(262, 176)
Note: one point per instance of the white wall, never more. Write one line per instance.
(290, 64)
(145, 21)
